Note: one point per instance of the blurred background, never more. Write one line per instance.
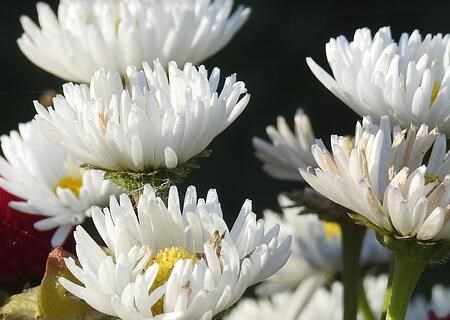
(269, 55)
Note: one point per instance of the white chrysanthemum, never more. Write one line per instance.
(408, 80)
(113, 34)
(316, 248)
(438, 307)
(302, 305)
(160, 120)
(175, 262)
(287, 152)
(50, 183)
(382, 177)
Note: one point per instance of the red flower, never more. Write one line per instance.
(23, 249)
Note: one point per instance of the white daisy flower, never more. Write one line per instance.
(322, 304)
(382, 178)
(159, 121)
(438, 307)
(50, 183)
(113, 34)
(288, 151)
(408, 80)
(316, 248)
(172, 262)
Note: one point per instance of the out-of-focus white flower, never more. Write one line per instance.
(113, 34)
(160, 120)
(408, 80)
(438, 307)
(322, 304)
(381, 177)
(288, 151)
(316, 248)
(50, 183)
(172, 262)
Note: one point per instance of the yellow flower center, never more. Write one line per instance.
(166, 259)
(431, 177)
(435, 91)
(332, 230)
(349, 141)
(74, 184)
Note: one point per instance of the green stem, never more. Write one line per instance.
(363, 304)
(387, 295)
(407, 271)
(352, 238)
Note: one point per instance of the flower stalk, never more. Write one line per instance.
(406, 273)
(352, 239)
(363, 304)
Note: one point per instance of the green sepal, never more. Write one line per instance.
(363, 221)
(430, 251)
(160, 179)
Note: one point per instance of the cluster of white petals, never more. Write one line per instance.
(49, 182)
(302, 305)
(374, 76)
(288, 151)
(382, 176)
(118, 280)
(113, 34)
(159, 120)
(316, 248)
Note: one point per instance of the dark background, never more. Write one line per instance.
(269, 55)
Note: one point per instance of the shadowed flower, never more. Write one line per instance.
(113, 34)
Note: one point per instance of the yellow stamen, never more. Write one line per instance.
(332, 230)
(435, 91)
(349, 141)
(431, 177)
(166, 259)
(74, 184)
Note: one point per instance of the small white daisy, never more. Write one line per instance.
(382, 177)
(174, 262)
(408, 80)
(113, 34)
(160, 120)
(322, 304)
(287, 152)
(50, 183)
(316, 248)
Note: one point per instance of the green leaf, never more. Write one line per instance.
(21, 306)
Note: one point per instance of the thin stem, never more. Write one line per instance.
(407, 271)
(387, 295)
(363, 304)
(352, 238)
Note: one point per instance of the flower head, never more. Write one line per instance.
(48, 182)
(316, 248)
(113, 34)
(288, 152)
(160, 120)
(303, 304)
(384, 178)
(408, 80)
(175, 261)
